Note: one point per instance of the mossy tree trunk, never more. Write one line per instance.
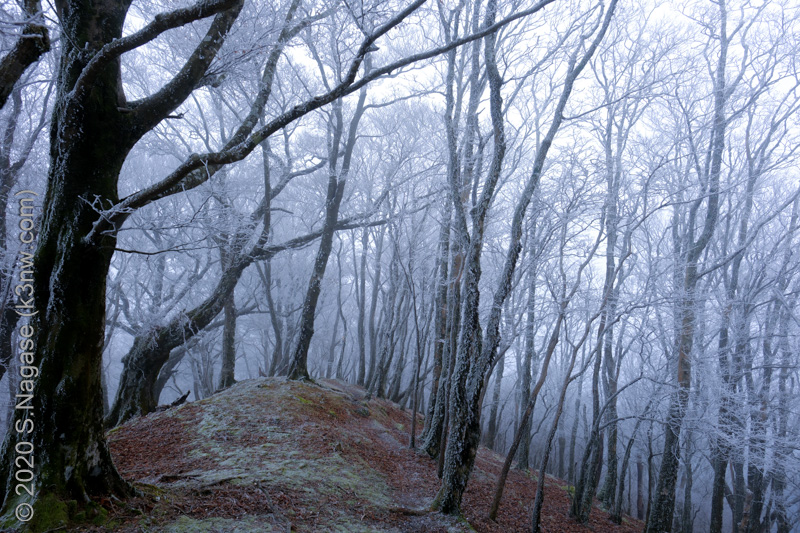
(92, 130)
(89, 140)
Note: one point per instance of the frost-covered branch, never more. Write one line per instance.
(203, 162)
(161, 23)
(32, 44)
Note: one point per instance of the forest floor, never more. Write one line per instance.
(272, 455)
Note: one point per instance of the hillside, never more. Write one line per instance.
(272, 455)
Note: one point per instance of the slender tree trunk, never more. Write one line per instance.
(616, 514)
(339, 366)
(539, 501)
(640, 497)
(399, 367)
(437, 436)
(574, 438)
(226, 376)
(782, 450)
(523, 430)
(335, 334)
(420, 348)
(527, 369)
(373, 307)
(491, 430)
(276, 320)
(586, 486)
(298, 368)
(337, 179)
(361, 297)
(392, 331)
(440, 331)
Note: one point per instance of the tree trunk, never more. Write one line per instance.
(539, 500)
(640, 497)
(277, 364)
(686, 514)
(586, 486)
(660, 519)
(136, 394)
(337, 179)
(491, 430)
(527, 368)
(523, 430)
(226, 376)
(373, 307)
(440, 331)
(361, 298)
(88, 143)
(335, 334)
(298, 368)
(616, 514)
(574, 438)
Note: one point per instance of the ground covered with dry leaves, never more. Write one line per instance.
(272, 455)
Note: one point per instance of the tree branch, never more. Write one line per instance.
(115, 216)
(31, 45)
(151, 110)
(161, 23)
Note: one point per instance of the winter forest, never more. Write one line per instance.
(563, 230)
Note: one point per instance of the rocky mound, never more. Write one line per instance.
(272, 455)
